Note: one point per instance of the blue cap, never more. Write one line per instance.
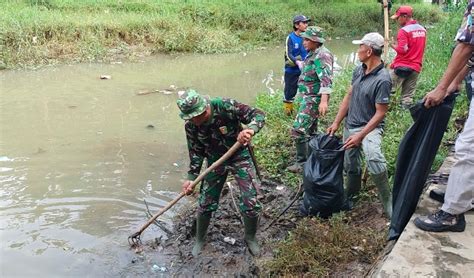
(300, 18)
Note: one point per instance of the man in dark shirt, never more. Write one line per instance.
(212, 128)
(364, 108)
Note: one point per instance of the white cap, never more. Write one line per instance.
(374, 40)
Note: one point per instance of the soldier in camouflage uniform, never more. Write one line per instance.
(212, 127)
(314, 88)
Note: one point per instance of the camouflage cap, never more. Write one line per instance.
(314, 33)
(191, 104)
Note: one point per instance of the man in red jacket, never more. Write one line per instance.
(410, 48)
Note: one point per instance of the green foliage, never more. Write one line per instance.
(274, 146)
(317, 248)
(44, 31)
(276, 149)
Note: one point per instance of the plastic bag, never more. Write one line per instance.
(416, 154)
(323, 177)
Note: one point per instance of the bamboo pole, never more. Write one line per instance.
(386, 30)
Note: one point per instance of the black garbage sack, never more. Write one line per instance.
(416, 154)
(322, 177)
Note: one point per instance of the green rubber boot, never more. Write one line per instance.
(250, 231)
(301, 156)
(353, 183)
(202, 222)
(384, 192)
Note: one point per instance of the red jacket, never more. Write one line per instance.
(411, 41)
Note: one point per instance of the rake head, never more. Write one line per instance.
(134, 240)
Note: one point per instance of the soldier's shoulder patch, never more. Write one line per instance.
(223, 130)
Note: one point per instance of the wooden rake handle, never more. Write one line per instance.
(214, 165)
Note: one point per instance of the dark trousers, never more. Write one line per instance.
(291, 86)
(468, 79)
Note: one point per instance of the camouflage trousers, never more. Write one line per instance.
(243, 170)
(306, 121)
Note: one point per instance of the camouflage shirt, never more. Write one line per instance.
(316, 76)
(213, 138)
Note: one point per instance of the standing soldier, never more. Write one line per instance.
(294, 56)
(314, 87)
(212, 127)
(364, 108)
(410, 48)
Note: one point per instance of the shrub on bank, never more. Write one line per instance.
(42, 31)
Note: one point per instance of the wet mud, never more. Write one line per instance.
(225, 252)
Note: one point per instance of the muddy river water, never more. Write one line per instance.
(78, 155)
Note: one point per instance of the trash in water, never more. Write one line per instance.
(105, 77)
(229, 240)
(156, 268)
(176, 164)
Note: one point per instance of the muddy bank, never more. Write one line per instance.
(225, 252)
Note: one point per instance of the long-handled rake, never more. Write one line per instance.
(134, 239)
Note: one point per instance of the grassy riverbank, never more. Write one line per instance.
(36, 32)
(320, 248)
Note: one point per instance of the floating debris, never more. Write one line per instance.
(230, 240)
(156, 268)
(150, 126)
(105, 77)
(146, 92)
(166, 92)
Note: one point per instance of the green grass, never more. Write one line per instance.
(36, 32)
(277, 139)
(318, 248)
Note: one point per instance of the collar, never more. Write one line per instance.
(411, 22)
(210, 120)
(374, 71)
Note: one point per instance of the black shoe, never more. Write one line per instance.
(437, 195)
(441, 221)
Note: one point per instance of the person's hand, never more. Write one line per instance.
(332, 129)
(392, 43)
(300, 64)
(245, 136)
(353, 141)
(453, 88)
(323, 108)
(188, 189)
(434, 97)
